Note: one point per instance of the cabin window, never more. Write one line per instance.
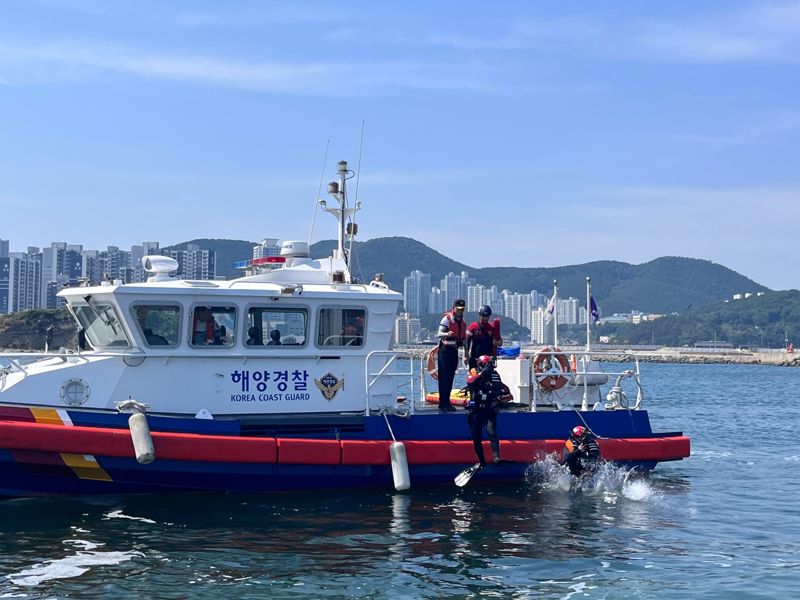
(159, 324)
(213, 325)
(276, 327)
(341, 327)
(102, 326)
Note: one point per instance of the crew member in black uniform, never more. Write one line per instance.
(451, 334)
(485, 388)
(581, 452)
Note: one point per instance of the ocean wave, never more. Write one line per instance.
(118, 514)
(69, 566)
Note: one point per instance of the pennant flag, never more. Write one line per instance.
(551, 308)
(594, 310)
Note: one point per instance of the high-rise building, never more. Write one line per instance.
(475, 297)
(517, 307)
(451, 289)
(538, 300)
(567, 311)
(436, 301)
(25, 280)
(541, 329)
(416, 293)
(137, 254)
(5, 278)
(512, 305)
(62, 264)
(267, 247)
(91, 268)
(194, 263)
(466, 281)
(407, 329)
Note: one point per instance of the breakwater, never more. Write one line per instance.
(780, 357)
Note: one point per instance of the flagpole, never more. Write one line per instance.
(555, 314)
(588, 313)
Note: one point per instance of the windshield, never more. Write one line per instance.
(102, 326)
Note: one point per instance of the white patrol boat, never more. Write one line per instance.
(279, 380)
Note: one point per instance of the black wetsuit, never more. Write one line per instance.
(580, 461)
(482, 411)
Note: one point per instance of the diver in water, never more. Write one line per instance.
(581, 452)
(485, 388)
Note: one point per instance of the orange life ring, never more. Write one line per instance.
(550, 382)
(433, 366)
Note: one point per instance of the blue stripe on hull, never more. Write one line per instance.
(514, 426)
(128, 476)
(430, 426)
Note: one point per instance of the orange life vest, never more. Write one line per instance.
(458, 329)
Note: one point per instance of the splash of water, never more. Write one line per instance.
(609, 480)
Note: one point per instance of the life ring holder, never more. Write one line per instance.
(433, 364)
(550, 382)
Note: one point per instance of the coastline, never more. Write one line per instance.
(779, 358)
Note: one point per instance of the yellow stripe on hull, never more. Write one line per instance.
(85, 466)
(47, 416)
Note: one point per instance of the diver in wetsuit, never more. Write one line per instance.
(581, 452)
(485, 389)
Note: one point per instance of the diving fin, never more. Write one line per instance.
(463, 478)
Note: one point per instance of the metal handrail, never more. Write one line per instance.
(584, 357)
(371, 378)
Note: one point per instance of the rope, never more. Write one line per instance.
(398, 411)
(585, 424)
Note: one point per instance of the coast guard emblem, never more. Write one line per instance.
(328, 384)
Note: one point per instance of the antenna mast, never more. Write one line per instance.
(338, 191)
(319, 191)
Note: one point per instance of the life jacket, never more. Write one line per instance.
(482, 340)
(457, 328)
(592, 451)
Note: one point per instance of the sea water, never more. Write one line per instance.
(723, 524)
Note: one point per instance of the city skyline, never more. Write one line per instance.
(571, 133)
(33, 278)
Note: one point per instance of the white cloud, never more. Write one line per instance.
(263, 14)
(763, 129)
(523, 34)
(762, 33)
(57, 61)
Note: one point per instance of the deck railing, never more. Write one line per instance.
(578, 375)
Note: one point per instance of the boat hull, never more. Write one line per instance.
(47, 451)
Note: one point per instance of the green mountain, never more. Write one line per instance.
(664, 285)
(763, 321)
(395, 257)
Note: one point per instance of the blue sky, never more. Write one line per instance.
(509, 133)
